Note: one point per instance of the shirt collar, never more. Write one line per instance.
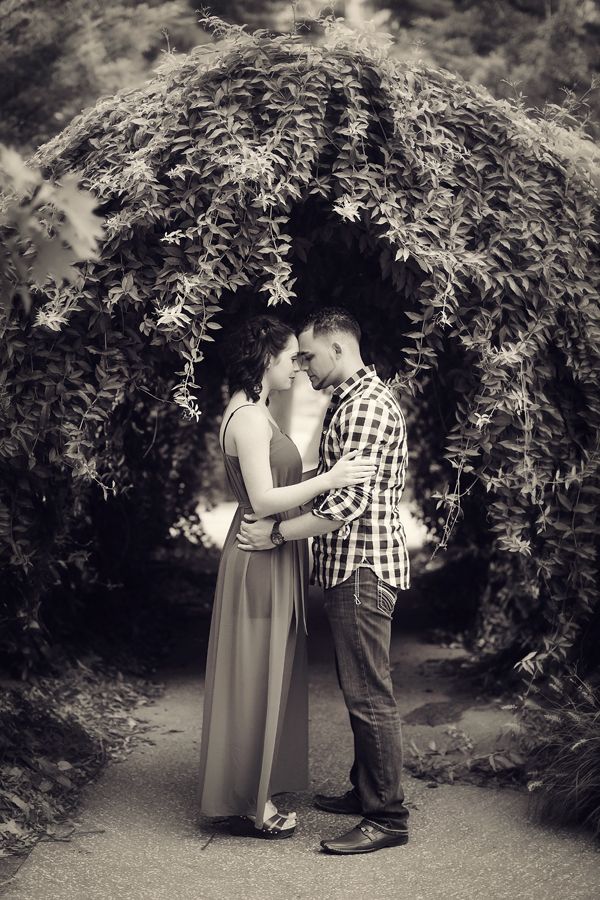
(346, 387)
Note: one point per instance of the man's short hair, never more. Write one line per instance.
(330, 319)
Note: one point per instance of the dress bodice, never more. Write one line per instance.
(286, 469)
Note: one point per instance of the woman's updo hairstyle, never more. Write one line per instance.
(249, 349)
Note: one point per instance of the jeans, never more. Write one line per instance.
(360, 613)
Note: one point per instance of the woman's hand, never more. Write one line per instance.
(255, 533)
(349, 470)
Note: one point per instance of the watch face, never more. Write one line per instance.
(276, 536)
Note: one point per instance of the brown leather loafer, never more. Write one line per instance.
(347, 804)
(365, 838)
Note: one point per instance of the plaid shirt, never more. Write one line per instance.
(363, 413)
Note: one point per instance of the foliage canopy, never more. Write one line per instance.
(267, 170)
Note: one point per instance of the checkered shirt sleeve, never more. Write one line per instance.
(362, 425)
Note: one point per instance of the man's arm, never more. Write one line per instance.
(367, 426)
(256, 534)
(307, 525)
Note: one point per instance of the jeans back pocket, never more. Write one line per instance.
(386, 597)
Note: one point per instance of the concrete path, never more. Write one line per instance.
(139, 836)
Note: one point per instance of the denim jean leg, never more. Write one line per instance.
(354, 768)
(359, 614)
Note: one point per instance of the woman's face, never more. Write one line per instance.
(284, 366)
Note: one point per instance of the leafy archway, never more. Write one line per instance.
(268, 170)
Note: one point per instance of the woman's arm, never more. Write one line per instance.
(252, 434)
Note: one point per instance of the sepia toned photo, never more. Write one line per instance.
(300, 450)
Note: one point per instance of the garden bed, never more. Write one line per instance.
(55, 736)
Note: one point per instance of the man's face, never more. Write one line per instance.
(318, 359)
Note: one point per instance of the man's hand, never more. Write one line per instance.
(255, 534)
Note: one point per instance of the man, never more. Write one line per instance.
(360, 559)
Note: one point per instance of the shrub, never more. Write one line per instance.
(563, 743)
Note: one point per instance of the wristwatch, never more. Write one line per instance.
(276, 536)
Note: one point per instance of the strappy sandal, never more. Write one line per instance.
(243, 826)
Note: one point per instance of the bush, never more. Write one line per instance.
(563, 744)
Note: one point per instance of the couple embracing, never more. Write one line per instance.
(255, 725)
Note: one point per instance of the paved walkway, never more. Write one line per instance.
(145, 841)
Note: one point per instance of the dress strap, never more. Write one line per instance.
(229, 420)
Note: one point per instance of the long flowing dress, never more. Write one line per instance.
(255, 724)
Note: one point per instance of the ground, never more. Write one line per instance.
(138, 835)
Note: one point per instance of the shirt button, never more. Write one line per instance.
(324, 431)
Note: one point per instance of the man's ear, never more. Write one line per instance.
(337, 348)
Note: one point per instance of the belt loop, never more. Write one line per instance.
(356, 587)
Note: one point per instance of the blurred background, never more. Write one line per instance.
(60, 56)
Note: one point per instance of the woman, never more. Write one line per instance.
(255, 725)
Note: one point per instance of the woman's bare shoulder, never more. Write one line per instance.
(246, 417)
